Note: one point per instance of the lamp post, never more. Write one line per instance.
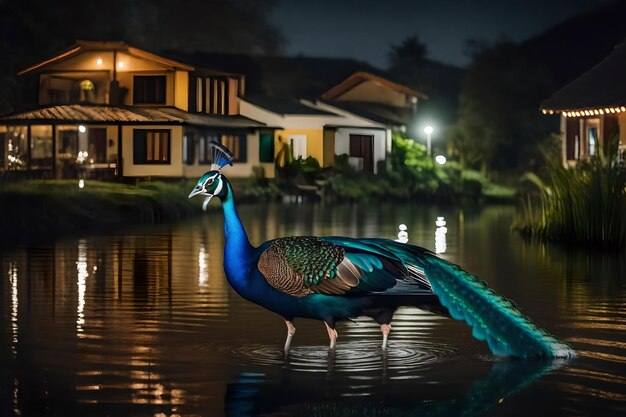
(429, 131)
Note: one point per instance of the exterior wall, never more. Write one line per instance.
(342, 144)
(370, 91)
(181, 90)
(314, 142)
(233, 92)
(239, 169)
(173, 169)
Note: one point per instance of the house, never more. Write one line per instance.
(592, 109)
(111, 109)
(311, 130)
(108, 108)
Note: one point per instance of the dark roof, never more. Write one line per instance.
(94, 114)
(388, 115)
(602, 86)
(285, 106)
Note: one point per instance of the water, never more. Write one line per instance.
(144, 324)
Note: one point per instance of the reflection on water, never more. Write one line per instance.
(14, 307)
(255, 394)
(440, 235)
(144, 323)
(81, 266)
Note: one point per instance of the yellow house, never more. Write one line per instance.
(311, 131)
(110, 109)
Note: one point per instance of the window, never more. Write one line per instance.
(149, 89)
(212, 95)
(236, 144)
(204, 151)
(151, 146)
(266, 147)
(593, 140)
(189, 149)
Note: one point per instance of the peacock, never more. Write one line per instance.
(336, 278)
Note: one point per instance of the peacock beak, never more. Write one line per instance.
(196, 191)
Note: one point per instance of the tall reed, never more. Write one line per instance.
(585, 204)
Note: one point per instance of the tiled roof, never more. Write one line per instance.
(81, 113)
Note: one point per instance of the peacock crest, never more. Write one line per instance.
(220, 156)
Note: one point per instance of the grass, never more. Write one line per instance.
(53, 207)
(582, 205)
(48, 208)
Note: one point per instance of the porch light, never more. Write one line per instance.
(82, 129)
(440, 159)
(81, 183)
(99, 61)
(121, 64)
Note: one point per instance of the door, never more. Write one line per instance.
(362, 146)
(97, 145)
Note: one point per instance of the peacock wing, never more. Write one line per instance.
(305, 265)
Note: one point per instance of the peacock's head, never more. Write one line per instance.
(213, 183)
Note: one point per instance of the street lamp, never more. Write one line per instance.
(429, 131)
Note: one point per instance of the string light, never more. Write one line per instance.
(587, 112)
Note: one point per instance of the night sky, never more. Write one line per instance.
(364, 29)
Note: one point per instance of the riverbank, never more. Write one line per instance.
(47, 208)
(33, 210)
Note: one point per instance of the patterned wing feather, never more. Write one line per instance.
(304, 265)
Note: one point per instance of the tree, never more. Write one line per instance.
(407, 60)
(499, 125)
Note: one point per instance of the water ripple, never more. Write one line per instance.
(350, 356)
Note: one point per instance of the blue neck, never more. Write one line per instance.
(237, 250)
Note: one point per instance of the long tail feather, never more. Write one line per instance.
(493, 318)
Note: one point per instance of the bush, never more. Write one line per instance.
(586, 204)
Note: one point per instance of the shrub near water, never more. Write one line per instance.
(586, 204)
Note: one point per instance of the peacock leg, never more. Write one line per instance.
(291, 330)
(332, 334)
(386, 329)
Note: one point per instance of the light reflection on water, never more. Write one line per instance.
(144, 323)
